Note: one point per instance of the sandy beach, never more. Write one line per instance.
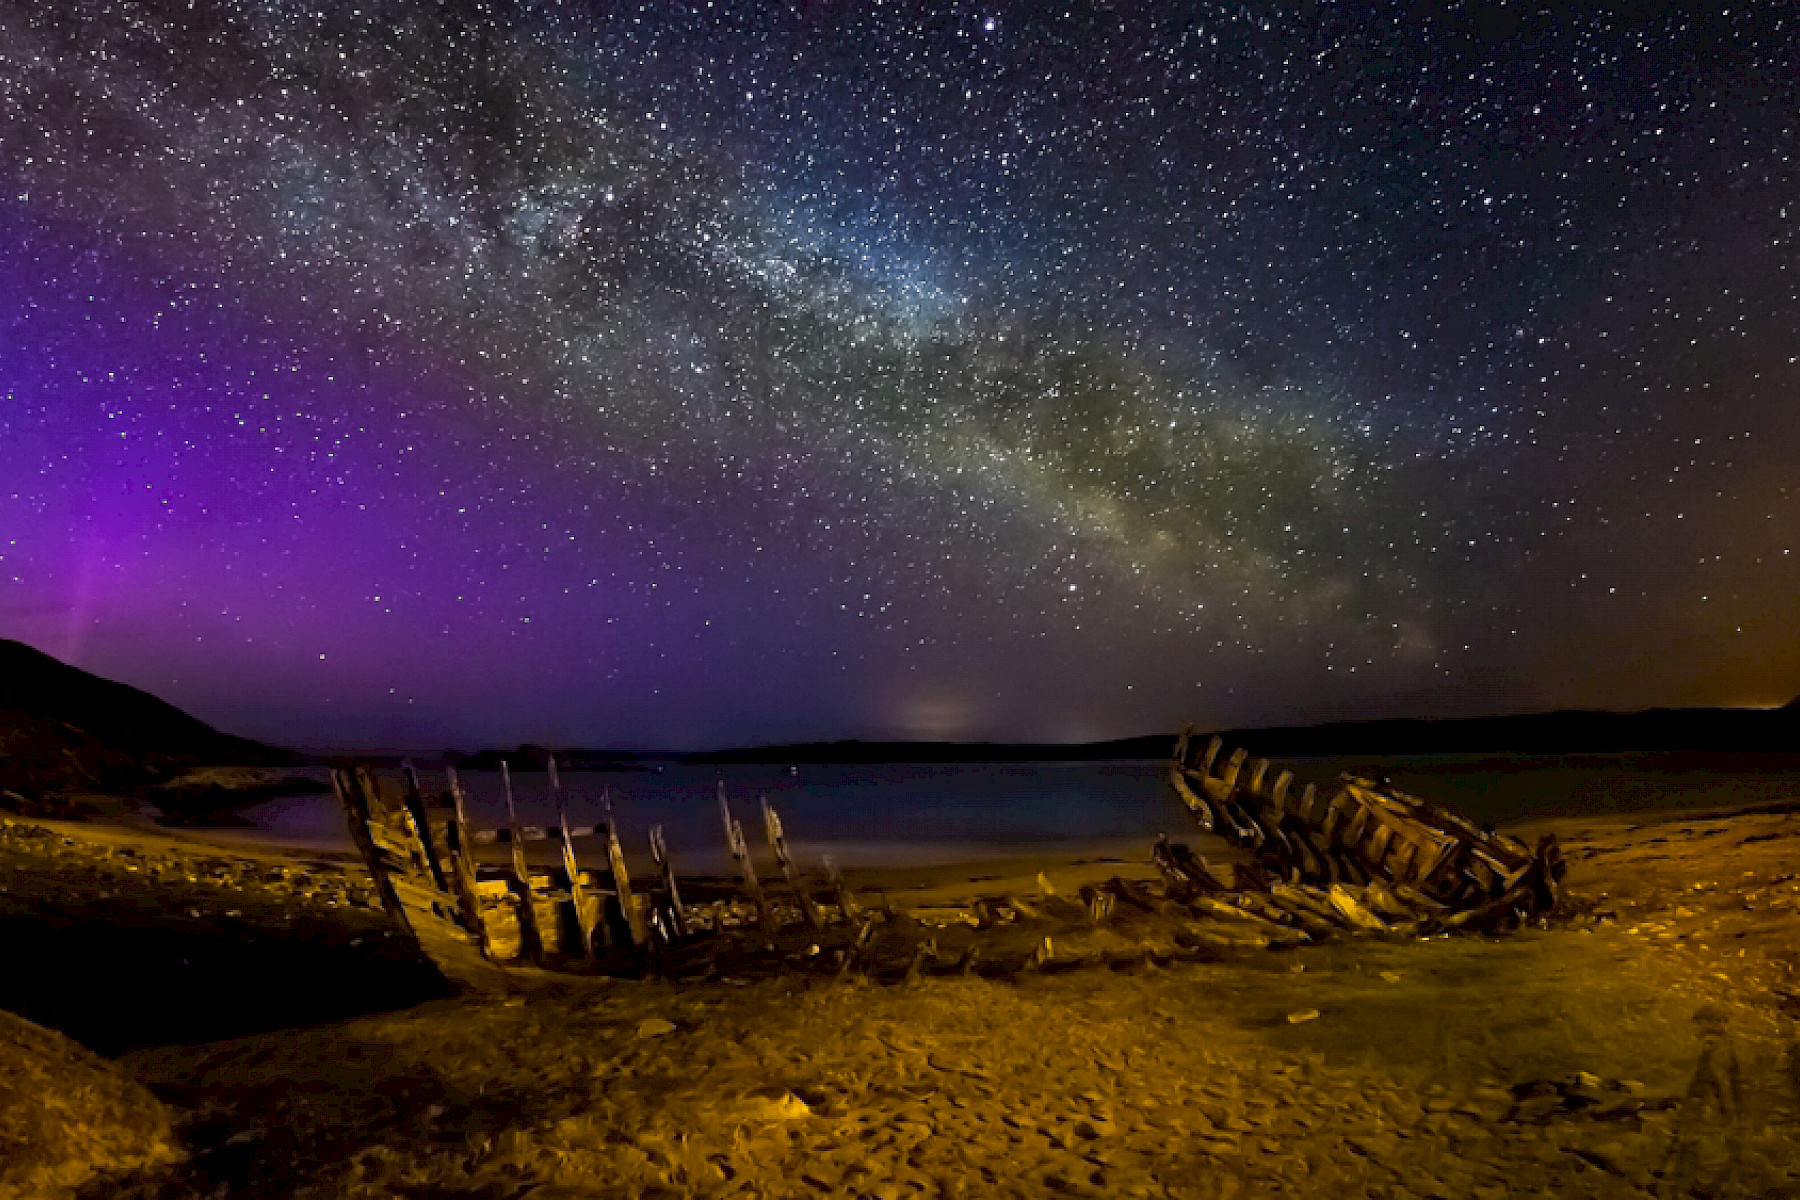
(1643, 1043)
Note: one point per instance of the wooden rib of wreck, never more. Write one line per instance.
(1356, 859)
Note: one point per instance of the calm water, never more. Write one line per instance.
(859, 813)
(898, 812)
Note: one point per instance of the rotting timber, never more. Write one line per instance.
(1356, 858)
(1360, 852)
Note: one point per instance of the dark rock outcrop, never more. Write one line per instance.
(64, 730)
(68, 1116)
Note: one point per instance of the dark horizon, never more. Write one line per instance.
(1759, 729)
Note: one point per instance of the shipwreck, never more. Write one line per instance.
(1353, 858)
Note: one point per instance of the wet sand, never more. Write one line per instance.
(1644, 1045)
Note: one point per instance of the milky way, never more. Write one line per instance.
(398, 373)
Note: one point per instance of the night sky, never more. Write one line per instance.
(681, 375)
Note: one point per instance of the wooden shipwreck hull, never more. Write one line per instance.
(1415, 857)
(472, 914)
(1354, 859)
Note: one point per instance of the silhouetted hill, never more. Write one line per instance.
(1564, 732)
(1567, 732)
(62, 729)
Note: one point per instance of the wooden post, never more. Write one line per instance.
(740, 855)
(415, 805)
(1376, 853)
(1197, 805)
(1234, 766)
(846, 899)
(1334, 815)
(1211, 756)
(349, 786)
(1258, 768)
(528, 923)
(778, 843)
(586, 908)
(462, 864)
(659, 851)
(1278, 794)
(629, 908)
(863, 935)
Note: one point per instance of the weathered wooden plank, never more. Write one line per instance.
(408, 892)
(846, 899)
(1258, 769)
(659, 853)
(1278, 792)
(1234, 766)
(1201, 810)
(740, 857)
(462, 864)
(864, 934)
(631, 906)
(415, 806)
(348, 786)
(1213, 747)
(778, 843)
(529, 932)
(1376, 848)
(587, 908)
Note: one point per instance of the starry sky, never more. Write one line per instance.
(685, 375)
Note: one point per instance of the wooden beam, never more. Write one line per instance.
(1234, 767)
(778, 843)
(462, 864)
(348, 784)
(587, 908)
(415, 805)
(1278, 793)
(1201, 810)
(846, 899)
(740, 855)
(629, 908)
(659, 852)
(1258, 768)
(529, 933)
(1213, 747)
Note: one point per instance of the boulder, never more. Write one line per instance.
(68, 1116)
